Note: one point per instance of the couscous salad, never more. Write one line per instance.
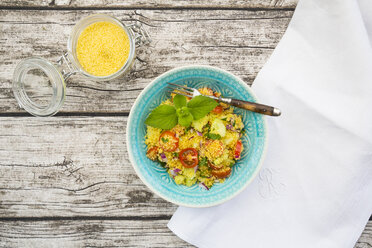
(200, 142)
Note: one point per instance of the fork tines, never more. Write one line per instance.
(181, 90)
(179, 93)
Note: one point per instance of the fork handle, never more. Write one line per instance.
(254, 107)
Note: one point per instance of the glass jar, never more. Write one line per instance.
(51, 78)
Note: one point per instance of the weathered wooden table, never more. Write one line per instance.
(66, 181)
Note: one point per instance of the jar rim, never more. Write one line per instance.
(85, 22)
(55, 77)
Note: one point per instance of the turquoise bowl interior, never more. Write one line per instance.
(156, 177)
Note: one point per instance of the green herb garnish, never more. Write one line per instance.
(183, 112)
(164, 117)
(213, 136)
(184, 116)
(179, 101)
(164, 140)
(204, 168)
(203, 161)
(200, 106)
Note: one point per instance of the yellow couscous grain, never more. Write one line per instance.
(103, 48)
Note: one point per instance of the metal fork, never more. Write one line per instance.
(251, 106)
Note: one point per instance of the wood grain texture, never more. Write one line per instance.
(365, 240)
(88, 233)
(150, 4)
(102, 233)
(239, 41)
(70, 167)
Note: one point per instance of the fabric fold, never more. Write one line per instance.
(315, 187)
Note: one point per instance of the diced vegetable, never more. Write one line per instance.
(238, 149)
(163, 157)
(179, 179)
(203, 186)
(218, 127)
(218, 109)
(174, 172)
(199, 124)
(190, 182)
(189, 173)
(222, 159)
(231, 138)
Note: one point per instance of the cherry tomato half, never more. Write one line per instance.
(218, 109)
(152, 153)
(213, 166)
(189, 157)
(168, 141)
(221, 173)
(238, 149)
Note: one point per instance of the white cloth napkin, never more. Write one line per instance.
(315, 187)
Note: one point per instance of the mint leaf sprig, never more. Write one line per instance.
(183, 112)
(163, 116)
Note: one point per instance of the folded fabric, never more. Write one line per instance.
(315, 187)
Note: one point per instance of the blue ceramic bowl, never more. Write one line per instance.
(156, 177)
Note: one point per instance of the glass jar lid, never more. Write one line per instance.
(38, 86)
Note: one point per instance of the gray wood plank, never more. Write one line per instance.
(365, 240)
(88, 233)
(70, 167)
(99, 233)
(239, 41)
(150, 4)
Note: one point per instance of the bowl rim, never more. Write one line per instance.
(135, 166)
